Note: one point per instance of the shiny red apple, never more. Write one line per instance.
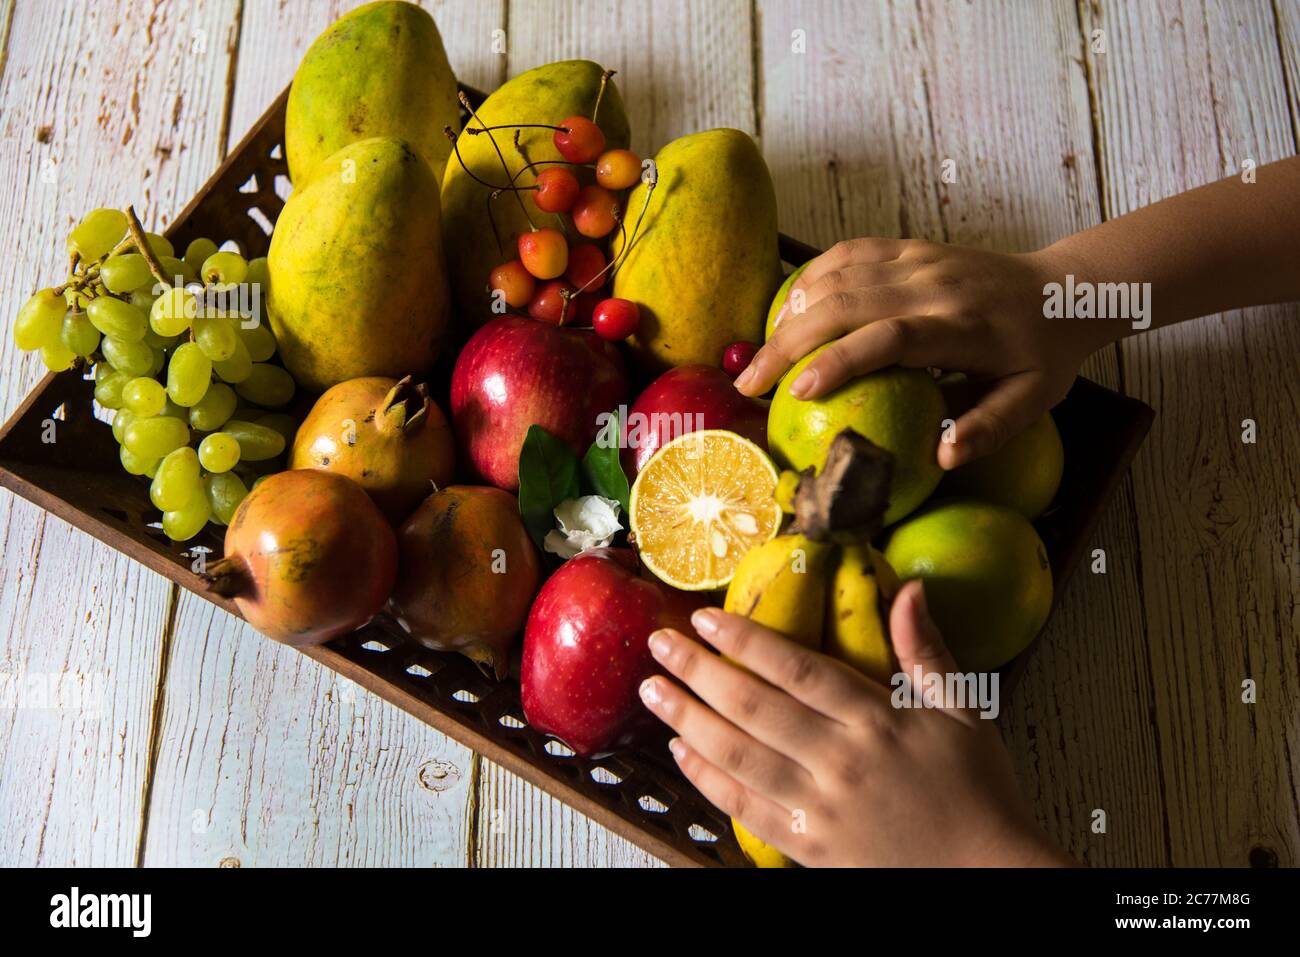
(687, 399)
(517, 372)
(585, 650)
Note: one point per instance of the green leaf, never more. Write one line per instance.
(548, 474)
(602, 469)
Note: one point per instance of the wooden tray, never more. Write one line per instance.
(638, 795)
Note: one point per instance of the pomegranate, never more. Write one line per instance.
(309, 557)
(468, 572)
(385, 435)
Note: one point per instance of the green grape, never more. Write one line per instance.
(256, 442)
(177, 480)
(216, 337)
(258, 273)
(121, 419)
(40, 320)
(125, 272)
(267, 385)
(225, 490)
(78, 335)
(173, 267)
(135, 464)
(159, 362)
(197, 252)
(259, 340)
(57, 357)
(186, 522)
(109, 387)
(97, 234)
(282, 422)
(156, 341)
(133, 358)
(188, 374)
(154, 437)
(226, 268)
(118, 319)
(176, 411)
(238, 367)
(173, 312)
(144, 396)
(211, 412)
(219, 452)
(161, 246)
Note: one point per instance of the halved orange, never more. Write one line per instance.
(700, 503)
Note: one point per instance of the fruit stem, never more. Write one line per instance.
(475, 130)
(846, 501)
(447, 132)
(600, 94)
(229, 577)
(464, 101)
(142, 244)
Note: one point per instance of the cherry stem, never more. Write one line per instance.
(604, 81)
(447, 132)
(476, 130)
(464, 101)
(142, 244)
(626, 246)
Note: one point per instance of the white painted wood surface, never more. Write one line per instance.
(212, 746)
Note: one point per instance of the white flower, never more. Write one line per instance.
(589, 521)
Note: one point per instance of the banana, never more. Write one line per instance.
(781, 584)
(857, 614)
(822, 584)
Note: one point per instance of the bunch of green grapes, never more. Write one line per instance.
(187, 374)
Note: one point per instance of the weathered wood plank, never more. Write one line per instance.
(682, 66)
(857, 129)
(264, 757)
(1187, 92)
(101, 106)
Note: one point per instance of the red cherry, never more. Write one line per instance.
(582, 143)
(618, 169)
(548, 305)
(544, 252)
(557, 188)
(585, 263)
(595, 213)
(615, 319)
(737, 357)
(515, 283)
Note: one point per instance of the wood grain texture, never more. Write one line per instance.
(1186, 93)
(264, 757)
(682, 66)
(100, 107)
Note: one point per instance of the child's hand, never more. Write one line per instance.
(881, 302)
(876, 785)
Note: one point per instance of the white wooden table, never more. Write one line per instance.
(212, 746)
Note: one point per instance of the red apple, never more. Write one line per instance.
(585, 651)
(517, 372)
(686, 399)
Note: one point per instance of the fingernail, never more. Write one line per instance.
(746, 377)
(660, 644)
(678, 749)
(650, 693)
(805, 383)
(705, 621)
(921, 604)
